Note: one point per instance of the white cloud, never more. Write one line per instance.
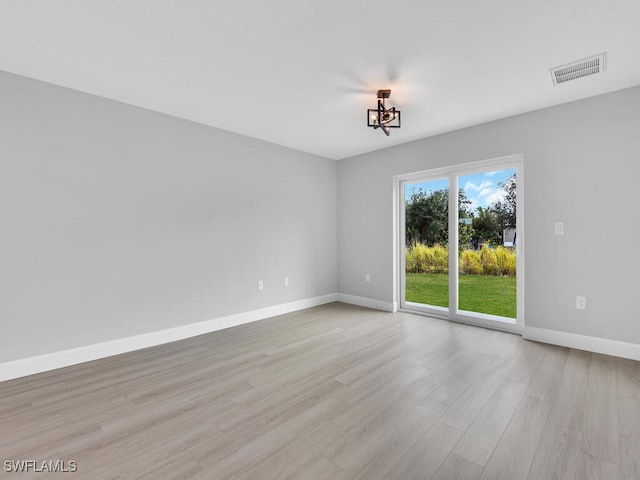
(472, 187)
(485, 192)
(495, 196)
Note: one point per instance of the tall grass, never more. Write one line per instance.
(423, 259)
(470, 263)
(486, 261)
(506, 260)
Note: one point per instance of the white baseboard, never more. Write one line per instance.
(583, 342)
(366, 302)
(74, 356)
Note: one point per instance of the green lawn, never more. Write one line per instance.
(478, 293)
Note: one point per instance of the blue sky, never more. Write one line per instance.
(481, 188)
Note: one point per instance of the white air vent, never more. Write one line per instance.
(578, 69)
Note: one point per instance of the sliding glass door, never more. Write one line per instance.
(459, 232)
(426, 244)
(486, 244)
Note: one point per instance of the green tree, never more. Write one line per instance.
(505, 211)
(426, 216)
(486, 226)
(465, 234)
(465, 231)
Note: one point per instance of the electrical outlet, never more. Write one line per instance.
(581, 303)
(260, 285)
(286, 281)
(367, 277)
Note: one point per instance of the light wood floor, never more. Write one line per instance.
(338, 393)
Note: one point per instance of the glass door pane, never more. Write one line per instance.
(486, 245)
(426, 215)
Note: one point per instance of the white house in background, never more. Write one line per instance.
(509, 237)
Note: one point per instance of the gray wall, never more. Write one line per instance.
(581, 166)
(118, 221)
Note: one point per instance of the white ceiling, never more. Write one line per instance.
(301, 73)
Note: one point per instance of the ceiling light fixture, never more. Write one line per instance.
(383, 117)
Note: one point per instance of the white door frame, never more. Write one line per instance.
(451, 173)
